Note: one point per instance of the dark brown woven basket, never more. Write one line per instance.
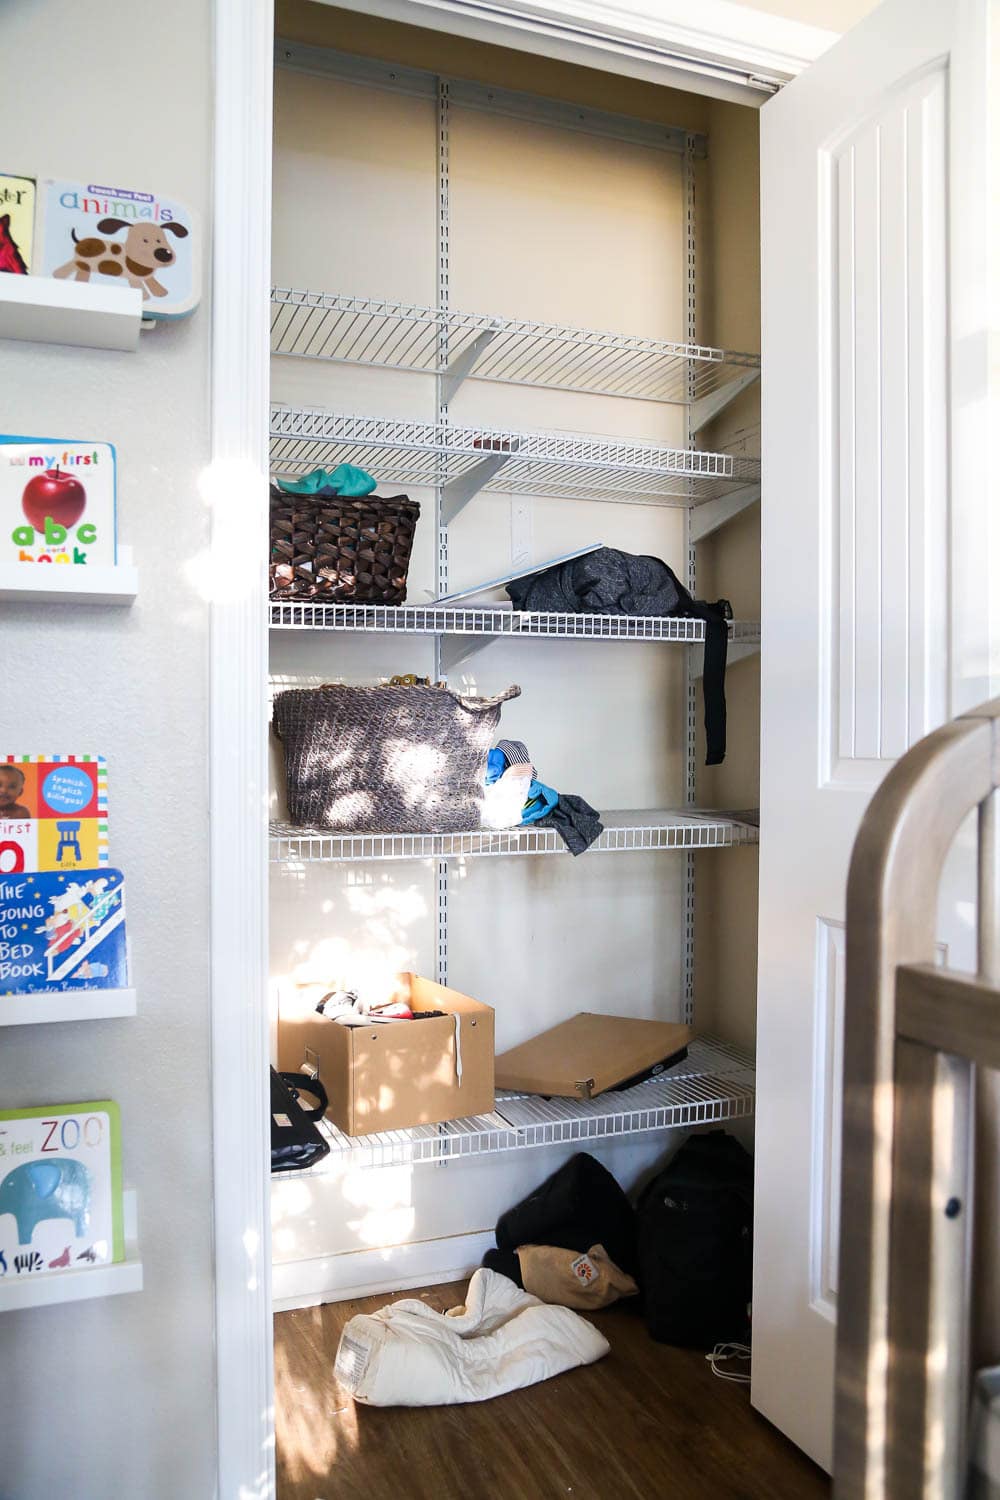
(341, 551)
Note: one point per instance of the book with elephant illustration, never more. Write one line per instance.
(60, 1189)
(114, 236)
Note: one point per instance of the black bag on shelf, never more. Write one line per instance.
(695, 1223)
(610, 582)
(295, 1140)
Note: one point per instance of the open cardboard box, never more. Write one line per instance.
(390, 1075)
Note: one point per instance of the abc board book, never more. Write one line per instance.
(17, 223)
(57, 502)
(121, 237)
(53, 812)
(60, 1189)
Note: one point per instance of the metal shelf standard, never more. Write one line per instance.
(624, 833)
(714, 1083)
(512, 351)
(462, 461)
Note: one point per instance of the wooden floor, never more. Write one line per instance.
(647, 1421)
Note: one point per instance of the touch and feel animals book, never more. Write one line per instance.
(58, 502)
(122, 237)
(17, 223)
(53, 813)
(60, 1189)
(61, 933)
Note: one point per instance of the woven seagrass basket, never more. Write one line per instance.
(386, 759)
(341, 551)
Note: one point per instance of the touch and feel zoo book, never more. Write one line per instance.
(115, 236)
(60, 1189)
(58, 502)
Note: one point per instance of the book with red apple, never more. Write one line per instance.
(57, 503)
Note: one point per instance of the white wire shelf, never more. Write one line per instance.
(465, 460)
(624, 833)
(417, 619)
(714, 1083)
(513, 351)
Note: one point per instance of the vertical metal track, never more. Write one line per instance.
(441, 416)
(691, 741)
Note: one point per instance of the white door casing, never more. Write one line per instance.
(875, 541)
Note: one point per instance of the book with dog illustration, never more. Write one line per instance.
(53, 813)
(58, 502)
(114, 236)
(17, 223)
(61, 1205)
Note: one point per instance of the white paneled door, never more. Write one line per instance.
(876, 551)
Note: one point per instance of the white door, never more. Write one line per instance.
(875, 575)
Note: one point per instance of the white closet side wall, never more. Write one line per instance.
(729, 565)
(549, 224)
(116, 1396)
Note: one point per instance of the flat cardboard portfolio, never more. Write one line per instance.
(388, 1075)
(584, 1056)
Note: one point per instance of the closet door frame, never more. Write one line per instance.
(235, 490)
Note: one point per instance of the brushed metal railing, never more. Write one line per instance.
(916, 1116)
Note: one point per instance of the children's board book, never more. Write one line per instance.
(60, 1189)
(62, 932)
(53, 813)
(115, 236)
(58, 503)
(17, 223)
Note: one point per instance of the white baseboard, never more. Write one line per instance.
(364, 1273)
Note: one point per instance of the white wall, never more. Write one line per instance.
(547, 224)
(116, 1397)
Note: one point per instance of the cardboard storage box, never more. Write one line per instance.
(582, 1057)
(389, 1075)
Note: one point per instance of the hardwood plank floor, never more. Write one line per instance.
(647, 1421)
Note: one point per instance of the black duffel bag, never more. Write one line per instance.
(295, 1140)
(695, 1223)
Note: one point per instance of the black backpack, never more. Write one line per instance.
(695, 1225)
(295, 1140)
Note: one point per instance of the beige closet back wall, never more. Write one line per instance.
(549, 224)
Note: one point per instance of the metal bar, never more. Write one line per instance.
(927, 1351)
(457, 649)
(712, 514)
(371, 73)
(690, 249)
(456, 494)
(736, 652)
(441, 518)
(685, 828)
(459, 369)
(705, 408)
(496, 620)
(715, 1083)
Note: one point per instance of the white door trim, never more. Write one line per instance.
(235, 580)
(733, 52)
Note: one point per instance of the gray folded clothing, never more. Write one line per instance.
(577, 823)
(606, 582)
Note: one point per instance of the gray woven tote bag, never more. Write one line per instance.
(386, 759)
